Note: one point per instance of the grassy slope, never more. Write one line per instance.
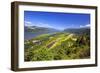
(57, 46)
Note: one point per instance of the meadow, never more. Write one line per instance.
(57, 46)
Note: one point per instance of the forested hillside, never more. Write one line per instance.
(57, 46)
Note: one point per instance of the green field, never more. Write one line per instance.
(57, 46)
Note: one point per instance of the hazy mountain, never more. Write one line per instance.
(78, 30)
(33, 31)
(36, 29)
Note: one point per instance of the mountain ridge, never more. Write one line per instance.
(36, 29)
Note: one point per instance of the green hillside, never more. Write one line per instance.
(58, 46)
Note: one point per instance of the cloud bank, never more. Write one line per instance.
(28, 23)
(83, 26)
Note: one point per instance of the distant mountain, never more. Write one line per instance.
(36, 29)
(78, 30)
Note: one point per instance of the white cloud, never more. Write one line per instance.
(39, 24)
(88, 25)
(83, 26)
(44, 25)
(28, 23)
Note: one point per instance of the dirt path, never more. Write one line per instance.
(60, 40)
(49, 45)
(53, 43)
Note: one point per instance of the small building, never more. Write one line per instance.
(36, 42)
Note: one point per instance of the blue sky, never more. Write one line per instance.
(56, 20)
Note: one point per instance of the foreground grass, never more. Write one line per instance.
(58, 46)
